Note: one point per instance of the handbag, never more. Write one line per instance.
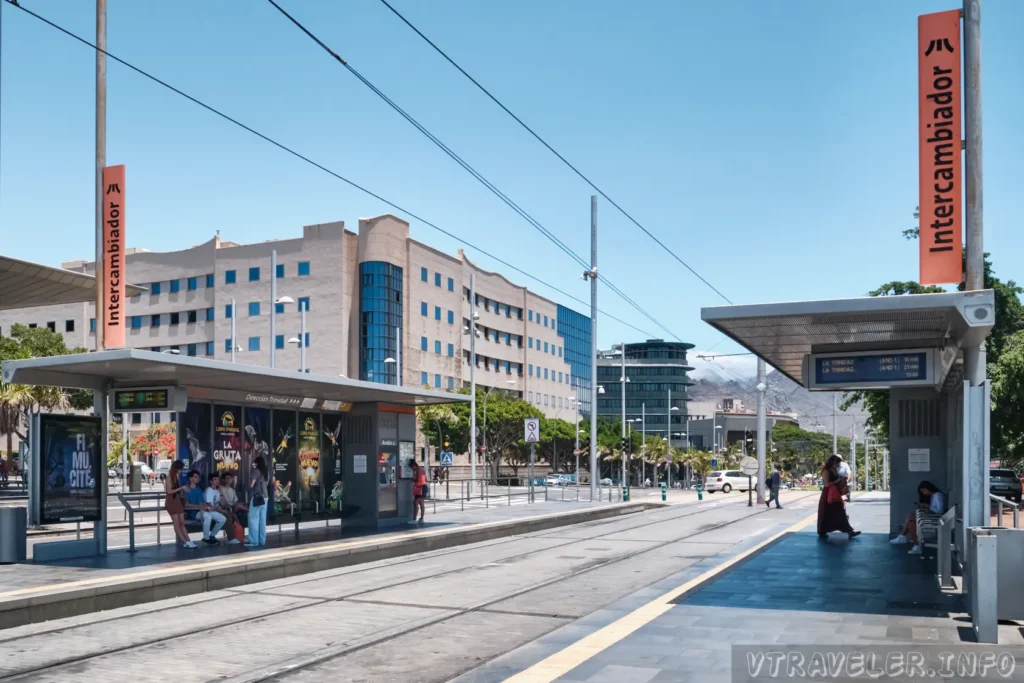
(258, 500)
(834, 496)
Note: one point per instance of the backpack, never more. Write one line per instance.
(768, 482)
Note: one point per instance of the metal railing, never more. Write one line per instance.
(128, 498)
(1000, 503)
(488, 493)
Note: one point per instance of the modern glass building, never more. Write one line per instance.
(574, 329)
(656, 370)
(380, 320)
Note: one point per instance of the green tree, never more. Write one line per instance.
(1007, 375)
(699, 462)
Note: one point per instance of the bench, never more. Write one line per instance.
(927, 529)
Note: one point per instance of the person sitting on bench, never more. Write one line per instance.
(931, 500)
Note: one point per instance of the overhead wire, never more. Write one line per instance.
(565, 161)
(464, 164)
(313, 163)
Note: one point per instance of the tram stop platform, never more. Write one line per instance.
(783, 591)
(39, 591)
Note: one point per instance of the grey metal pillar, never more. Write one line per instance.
(974, 356)
(593, 347)
(668, 435)
(622, 381)
(302, 342)
(762, 423)
(234, 341)
(101, 158)
(472, 384)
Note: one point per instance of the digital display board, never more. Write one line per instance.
(142, 400)
(876, 368)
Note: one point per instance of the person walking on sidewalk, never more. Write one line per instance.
(776, 484)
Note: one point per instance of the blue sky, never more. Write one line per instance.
(771, 144)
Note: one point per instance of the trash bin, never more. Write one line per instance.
(135, 480)
(13, 531)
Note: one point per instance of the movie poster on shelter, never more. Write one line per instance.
(195, 436)
(227, 440)
(331, 468)
(71, 458)
(309, 458)
(285, 451)
(257, 442)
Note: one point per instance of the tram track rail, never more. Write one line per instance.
(287, 667)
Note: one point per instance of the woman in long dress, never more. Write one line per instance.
(831, 507)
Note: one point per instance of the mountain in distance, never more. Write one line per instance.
(813, 409)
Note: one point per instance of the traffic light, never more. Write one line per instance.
(446, 444)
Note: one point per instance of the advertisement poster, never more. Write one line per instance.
(285, 451)
(309, 460)
(406, 456)
(331, 470)
(195, 437)
(227, 440)
(71, 458)
(256, 441)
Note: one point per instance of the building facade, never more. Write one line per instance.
(378, 304)
(657, 381)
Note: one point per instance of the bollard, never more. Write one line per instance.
(625, 493)
(664, 492)
(700, 491)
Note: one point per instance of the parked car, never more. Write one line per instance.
(726, 481)
(162, 469)
(1005, 484)
(552, 480)
(606, 482)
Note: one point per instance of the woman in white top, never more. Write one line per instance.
(931, 500)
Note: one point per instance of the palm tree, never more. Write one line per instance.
(14, 399)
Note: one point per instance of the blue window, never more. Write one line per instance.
(278, 308)
(155, 418)
(451, 350)
(508, 339)
(192, 350)
(530, 342)
(175, 318)
(451, 285)
(155, 349)
(437, 346)
(209, 348)
(423, 343)
(175, 286)
(229, 277)
(307, 341)
(227, 311)
(209, 314)
(155, 320)
(303, 268)
(423, 308)
(559, 351)
(423, 276)
(193, 284)
(531, 316)
(545, 347)
(254, 343)
(451, 317)
(254, 308)
(304, 303)
(154, 288)
(227, 346)
(508, 367)
(545, 321)
(437, 312)
(437, 381)
(437, 279)
(279, 341)
(423, 375)
(545, 373)
(531, 369)
(497, 364)
(451, 382)
(254, 274)
(497, 306)
(560, 378)
(136, 322)
(209, 280)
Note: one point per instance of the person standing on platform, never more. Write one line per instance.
(831, 508)
(258, 504)
(419, 491)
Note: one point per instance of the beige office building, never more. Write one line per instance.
(361, 292)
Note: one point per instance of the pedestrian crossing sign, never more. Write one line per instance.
(447, 458)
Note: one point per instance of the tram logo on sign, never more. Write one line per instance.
(532, 428)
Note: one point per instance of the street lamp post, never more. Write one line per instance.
(472, 382)
(576, 450)
(301, 341)
(622, 381)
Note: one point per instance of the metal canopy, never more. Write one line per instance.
(782, 334)
(127, 368)
(24, 284)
